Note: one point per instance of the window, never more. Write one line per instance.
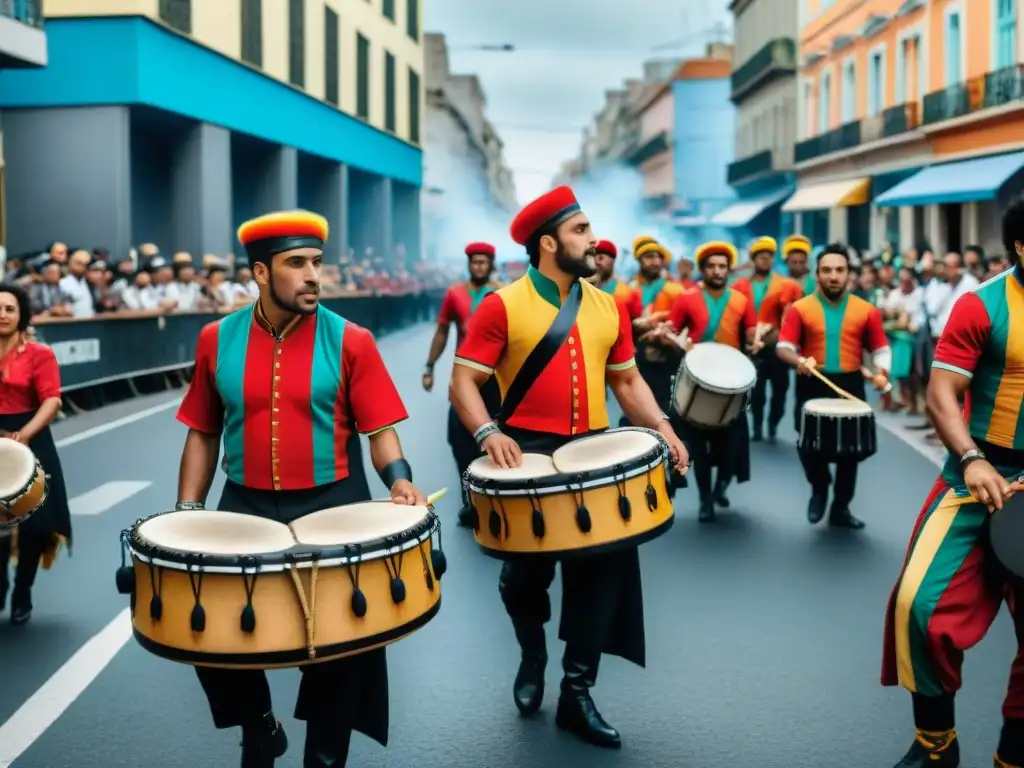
(849, 92)
(825, 104)
(876, 83)
(954, 49)
(414, 107)
(412, 18)
(389, 9)
(297, 42)
(177, 14)
(331, 64)
(362, 77)
(252, 32)
(1006, 33)
(390, 117)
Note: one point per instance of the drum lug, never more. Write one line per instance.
(125, 580)
(583, 521)
(358, 603)
(397, 590)
(651, 497)
(439, 562)
(625, 508)
(537, 523)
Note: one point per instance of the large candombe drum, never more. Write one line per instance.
(221, 589)
(597, 493)
(713, 385)
(23, 483)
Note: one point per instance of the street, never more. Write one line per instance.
(764, 633)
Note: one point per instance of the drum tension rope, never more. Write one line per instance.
(195, 580)
(497, 523)
(358, 601)
(625, 507)
(437, 556)
(394, 565)
(125, 576)
(650, 494)
(537, 516)
(583, 521)
(247, 620)
(156, 583)
(308, 606)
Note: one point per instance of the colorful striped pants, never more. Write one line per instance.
(947, 597)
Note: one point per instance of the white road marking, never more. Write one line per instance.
(100, 499)
(58, 693)
(131, 418)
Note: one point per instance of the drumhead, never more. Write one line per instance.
(835, 406)
(607, 449)
(212, 532)
(533, 466)
(720, 368)
(17, 467)
(356, 523)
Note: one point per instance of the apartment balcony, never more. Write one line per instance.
(994, 89)
(901, 119)
(653, 147)
(872, 128)
(746, 168)
(22, 39)
(776, 59)
(842, 138)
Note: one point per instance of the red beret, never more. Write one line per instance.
(548, 210)
(483, 248)
(607, 246)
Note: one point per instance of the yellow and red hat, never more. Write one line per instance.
(480, 248)
(641, 241)
(716, 248)
(795, 243)
(653, 247)
(761, 244)
(608, 247)
(266, 236)
(548, 210)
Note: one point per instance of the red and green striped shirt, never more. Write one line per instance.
(984, 341)
(287, 402)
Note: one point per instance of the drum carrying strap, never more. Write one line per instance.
(543, 353)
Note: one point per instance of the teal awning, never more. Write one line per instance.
(966, 181)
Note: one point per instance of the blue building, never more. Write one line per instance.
(174, 128)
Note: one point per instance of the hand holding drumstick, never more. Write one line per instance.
(879, 380)
(649, 321)
(759, 333)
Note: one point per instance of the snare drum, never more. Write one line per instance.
(220, 589)
(23, 484)
(835, 428)
(598, 493)
(712, 385)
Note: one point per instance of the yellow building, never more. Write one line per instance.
(195, 114)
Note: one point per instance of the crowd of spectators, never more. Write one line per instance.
(75, 283)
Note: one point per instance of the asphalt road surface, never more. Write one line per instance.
(764, 633)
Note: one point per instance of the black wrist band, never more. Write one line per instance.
(394, 471)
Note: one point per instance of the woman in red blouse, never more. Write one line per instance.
(29, 401)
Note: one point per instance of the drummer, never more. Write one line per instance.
(298, 457)
(771, 295)
(829, 331)
(946, 597)
(460, 301)
(602, 605)
(715, 312)
(796, 252)
(605, 278)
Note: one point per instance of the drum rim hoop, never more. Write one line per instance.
(23, 490)
(550, 485)
(298, 554)
(864, 412)
(708, 387)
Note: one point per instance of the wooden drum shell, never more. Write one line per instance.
(24, 505)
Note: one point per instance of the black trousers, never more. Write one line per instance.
(816, 469)
(335, 697)
(602, 594)
(464, 449)
(30, 551)
(771, 371)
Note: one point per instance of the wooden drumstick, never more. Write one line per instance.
(867, 374)
(435, 497)
(828, 382)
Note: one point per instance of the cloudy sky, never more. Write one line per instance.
(568, 52)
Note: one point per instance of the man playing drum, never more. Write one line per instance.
(290, 385)
(461, 301)
(716, 312)
(830, 331)
(771, 295)
(555, 342)
(948, 594)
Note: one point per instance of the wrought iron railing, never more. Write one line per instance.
(775, 57)
(844, 137)
(749, 166)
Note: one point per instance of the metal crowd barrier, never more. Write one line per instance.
(146, 350)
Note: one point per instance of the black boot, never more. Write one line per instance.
(706, 512)
(577, 712)
(528, 688)
(773, 432)
(721, 486)
(467, 516)
(839, 517)
(21, 595)
(927, 752)
(816, 506)
(263, 742)
(326, 747)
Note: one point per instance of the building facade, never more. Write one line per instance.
(466, 176)
(653, 155)
(184, 118)
(910, 113)
(763, 88)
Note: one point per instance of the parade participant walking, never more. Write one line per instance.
(461, 301)
(796, 252)
(948, 595)
(605, 277)
(290, 386)
(30, 399)
(830, 331)
(554, 342)
(719, 313)
(657, 294)
(771, 295)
